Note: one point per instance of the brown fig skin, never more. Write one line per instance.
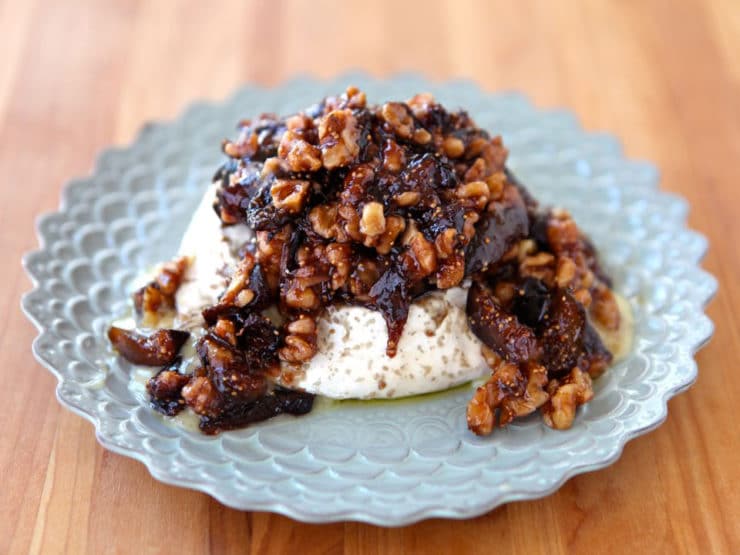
(158, 349)
(499, 329)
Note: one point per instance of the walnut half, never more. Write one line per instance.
(513, 390)
(338, 134)
(300, 340)
(566, 396)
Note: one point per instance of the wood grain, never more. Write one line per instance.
(78, 75)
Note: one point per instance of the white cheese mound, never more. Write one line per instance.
(436, 351)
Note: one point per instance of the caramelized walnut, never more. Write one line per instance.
(395, 225)
(290, 194)
(323, 220)
(451, 271)
(394, 157)
(424, 257)
(239, 279)
(372, 222)
(300, 155)
(200, 395)
(398, 117)
(300, 340)
(408, 198)
(340, 257)
(513, 390)
(446, 242)
(226, 330)
(421, 104)
(566, 396)
(354, 98)
(605, 309)
(157, 298)
(269, 252)
(338, 134)
(539, 266)
(453, 147)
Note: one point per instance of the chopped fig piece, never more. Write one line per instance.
(165, 389)
(228, 370)
(280, 401)
(498, 329)
(158, 349)
(531, 302)
(563, 336)
(497, 231)
(258, 339)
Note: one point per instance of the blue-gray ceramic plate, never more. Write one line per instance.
(389, 463)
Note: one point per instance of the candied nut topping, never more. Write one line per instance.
(300, 340)
(453, 147)
(338, 134)
(300, 155)
(376, 205)
(372, 222)
(157, 298)
(289, 194)
(404, 187)
(394, 157)
(513, 390)
(200, 395)
(408, 198)
(398, 117)
(564, 397)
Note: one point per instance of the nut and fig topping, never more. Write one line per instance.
(377, 205)
(399, 196)
(528, 309)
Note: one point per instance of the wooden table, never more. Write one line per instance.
(77, 75)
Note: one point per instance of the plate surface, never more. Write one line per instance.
(388, 463)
